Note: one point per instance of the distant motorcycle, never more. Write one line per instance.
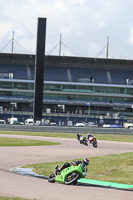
(92, 140)
(82, 139)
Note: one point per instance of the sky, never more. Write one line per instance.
(85, 26)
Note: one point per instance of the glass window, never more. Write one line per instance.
(53, 87)
(23, 94)
(69, 88)
(31, 86)
(109, 90)
(5, 84)
(129, 91)
(21, 85)
(85, 88)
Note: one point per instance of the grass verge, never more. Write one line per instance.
(11, 198)
(107, 137)
(112, 168)
(24, 142)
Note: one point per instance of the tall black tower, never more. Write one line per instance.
(39, 69)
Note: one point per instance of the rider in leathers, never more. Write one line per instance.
(84, 162)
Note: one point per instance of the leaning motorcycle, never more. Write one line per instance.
(92, 140)
(82, 139)
(68, 176)
(85, 142)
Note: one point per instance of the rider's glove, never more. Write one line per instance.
(85, 174)
(72, 162)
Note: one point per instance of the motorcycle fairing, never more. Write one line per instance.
(65, 172)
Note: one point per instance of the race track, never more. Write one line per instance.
(14, 185)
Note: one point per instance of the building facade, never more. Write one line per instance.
(74, 85)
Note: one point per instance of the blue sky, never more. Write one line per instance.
(83, 24)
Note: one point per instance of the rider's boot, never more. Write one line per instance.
(56, 169)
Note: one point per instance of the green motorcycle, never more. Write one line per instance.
(69, 175)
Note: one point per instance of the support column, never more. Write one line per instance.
(39, 69)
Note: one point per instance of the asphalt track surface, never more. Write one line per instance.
(15, 185)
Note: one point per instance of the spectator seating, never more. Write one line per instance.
(71, 74)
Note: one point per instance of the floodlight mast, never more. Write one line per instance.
(107, 54)
(60, 45)
(39, 69)
(12, 41)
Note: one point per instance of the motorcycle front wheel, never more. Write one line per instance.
(51, 178)
(95, 145)
(72, 178)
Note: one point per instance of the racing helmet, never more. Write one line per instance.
(85, 161)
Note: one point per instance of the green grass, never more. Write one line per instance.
(116, 168)
(24, 142)
(107, 137)
(44, 134)
(11, 198)
(112, 168)
(110, 137)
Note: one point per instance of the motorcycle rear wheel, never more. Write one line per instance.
(72, 178)
(51, 178)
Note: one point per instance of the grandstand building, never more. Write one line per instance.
(74, 85)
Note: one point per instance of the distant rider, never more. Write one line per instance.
(78, 136)
(92, 139)
(82, 139)
(89, 135)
